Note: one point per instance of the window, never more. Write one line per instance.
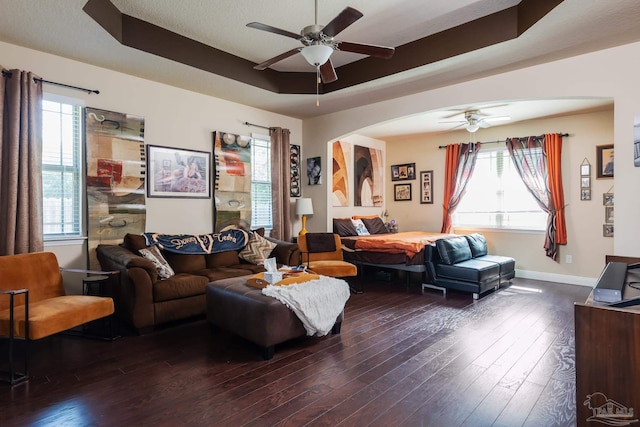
(496, 197)
(61, 180)
(261, 203)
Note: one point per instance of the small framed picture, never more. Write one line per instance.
(585, 169)
(607, 199)
(585, 182)
(604, 157)
(585, 194)
(402, 192)
(426, 187)
(608, 214)
(607, 230)
(403, 172)
(176, 172)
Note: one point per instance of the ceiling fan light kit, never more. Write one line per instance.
(317, 54)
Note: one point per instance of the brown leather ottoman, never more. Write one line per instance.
(263, 320)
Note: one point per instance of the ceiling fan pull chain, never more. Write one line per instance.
(317, 84)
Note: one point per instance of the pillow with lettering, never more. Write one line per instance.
(361, 229)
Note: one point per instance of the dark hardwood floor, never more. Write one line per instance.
(402, 359)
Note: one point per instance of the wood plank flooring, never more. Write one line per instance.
(402, 359)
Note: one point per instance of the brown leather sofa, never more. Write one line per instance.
(145, 301)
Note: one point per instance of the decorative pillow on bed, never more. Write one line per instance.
(361, 229)
(153, 254)
(257, 250)
(375, 225)
(343, 227)
(477, 243)
(364, 216)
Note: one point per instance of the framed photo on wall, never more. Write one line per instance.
(402, 192)
(604, 157)
(426, 187)
(176, 172)
(403, 172)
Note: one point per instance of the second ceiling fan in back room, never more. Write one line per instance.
(319, 43)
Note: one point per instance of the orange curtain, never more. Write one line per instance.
(553, 147)
(459, 164)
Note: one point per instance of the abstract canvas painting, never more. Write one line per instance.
(369, 172)
(341, 161)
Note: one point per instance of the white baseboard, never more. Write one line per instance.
(560, 278)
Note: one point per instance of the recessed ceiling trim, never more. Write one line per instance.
(483, 32)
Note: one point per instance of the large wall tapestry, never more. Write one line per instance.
(232, 180)
(369, 174)
(341, 160)
(115, 178)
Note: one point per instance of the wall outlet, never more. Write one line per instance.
(568, 259)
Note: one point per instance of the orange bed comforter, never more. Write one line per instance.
(408, 242)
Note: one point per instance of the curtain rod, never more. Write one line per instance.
(498, 142)
(257, 126)
(40, 80)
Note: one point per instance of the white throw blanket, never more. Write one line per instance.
(317, 303)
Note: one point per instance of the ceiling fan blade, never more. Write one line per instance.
(366, 49)
(269, 62)
(328, 73)
(496, 118)
(270, 29)
(345, 18)
(454, 121)
(484, 124)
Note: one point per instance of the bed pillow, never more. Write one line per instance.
(361, 229)
(257, 249)
(364, 216)
(343, 227)
(153, 254)
(375, 225)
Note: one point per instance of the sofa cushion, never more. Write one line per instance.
(182, 285)
(470, 270)
(477, 244)
(257, 249)
(134, 242)
(222, 259)
(375, 225)
(214, 274)
(152, 253)
(453, 250)
(343, 227)
(185, 263)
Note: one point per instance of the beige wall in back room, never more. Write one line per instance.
(584, 219)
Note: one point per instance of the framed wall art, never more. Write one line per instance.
(176, 172)
(604, 157)
(314, 170)
(403, 172)
(295, 187)
(585, 180)
(426, 187)
(402, 192)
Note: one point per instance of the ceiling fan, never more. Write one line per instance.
(319, 43)
(474, 120)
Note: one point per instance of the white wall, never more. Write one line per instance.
(173, 117)
(608, 73)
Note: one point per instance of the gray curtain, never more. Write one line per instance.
(280, 183)
(20, 163)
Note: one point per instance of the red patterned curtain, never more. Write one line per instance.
(20, 163)
(460, 162)
(538, 162)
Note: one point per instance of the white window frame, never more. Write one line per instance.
(259, 140)
(75, 235)
(500, 217)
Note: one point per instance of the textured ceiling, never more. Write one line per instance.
(62, 28)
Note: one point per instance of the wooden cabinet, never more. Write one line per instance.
(608, 361)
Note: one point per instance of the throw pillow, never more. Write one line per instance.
(361, 229)
(343, 227)
(153, 254)
(257, 250)
(375, 225)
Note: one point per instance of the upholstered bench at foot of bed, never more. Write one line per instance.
(236, 307)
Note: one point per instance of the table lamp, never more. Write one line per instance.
(304, 207)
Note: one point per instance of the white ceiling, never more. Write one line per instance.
(61, 27)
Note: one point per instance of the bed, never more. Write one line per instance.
(398, 251)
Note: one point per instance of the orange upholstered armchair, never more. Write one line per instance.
(322, 253)
(33, 303)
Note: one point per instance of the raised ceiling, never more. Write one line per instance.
(571, 27)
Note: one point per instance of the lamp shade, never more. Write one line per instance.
(316, 54)
(304, 206)
(473, 126)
